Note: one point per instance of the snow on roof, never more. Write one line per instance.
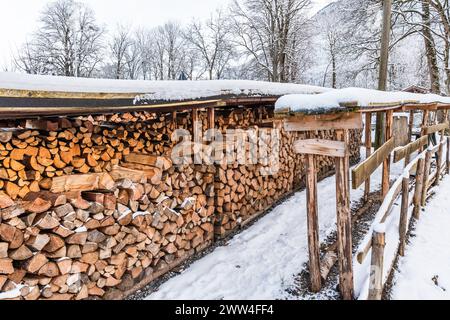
(333, 99)
(153, 90)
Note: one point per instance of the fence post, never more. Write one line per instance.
(313, 224)
(344, 223)
(439, 163)
(448, 155)
(376, 266)
(418, 191)
(426, 174)
(368, 144)
(386, 182)
(404, 216)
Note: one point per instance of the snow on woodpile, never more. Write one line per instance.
(154, 90)
(333, 99)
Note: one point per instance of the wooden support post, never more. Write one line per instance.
(448, 155)
(368, 143)
(344, 224)
(174, 119)
(387, 162)
(194, 120)
(439, 162)
(426, 175)
(313, 224)
(404, 216)
(211, 118)
(376, 267)
(418, 190)
(426, 115)
(410, 133)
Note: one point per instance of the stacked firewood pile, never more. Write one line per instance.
(246, 191)
(92, 205)
(87, 206)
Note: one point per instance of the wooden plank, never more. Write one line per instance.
(426, 175)
(403, 152)
(211, 118)
(436, 128)
(365, 169)
(344, 224)
(387, 161)
(368, 144)
(420, 106)
(419, 186)
(376, 266)
(321, 147)
(344, 120)
(403, 227)
(313, 225)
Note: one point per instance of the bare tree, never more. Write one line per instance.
(271, 32)
(119, 47)
(67, 42)
(211, 41)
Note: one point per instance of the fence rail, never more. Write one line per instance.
(427, 168)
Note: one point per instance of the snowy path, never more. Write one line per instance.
(425, 269)
(262, 261)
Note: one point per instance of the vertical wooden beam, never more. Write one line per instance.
(426, 175)
(419, 185)
(439, 161)
(211, 118)
(344, 226)
(313, 224)
(387, 162)
(448, 155)
(410, 133)
(404, 216)
(376, 267)
(425, 118)
(194, 116)
(368, 144)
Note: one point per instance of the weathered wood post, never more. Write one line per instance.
(387, 162)
(368, 143)
(338, 150)
(410, 133)
(425, 118)
(426, 175)
(313, 224)
(211, 118)
(404, 216)
(376, 267)
(418, 190)
(448, 155)
(439, 163)
(344, 222)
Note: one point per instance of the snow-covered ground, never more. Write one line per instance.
(263, 261)
(424, 272)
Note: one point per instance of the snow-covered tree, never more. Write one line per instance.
(68, 42)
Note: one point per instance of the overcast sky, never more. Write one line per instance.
(18, 17)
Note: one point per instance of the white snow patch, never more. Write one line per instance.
(424, 271)
(155, 90)
(363, 97)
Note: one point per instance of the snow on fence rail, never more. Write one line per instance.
(370, 284)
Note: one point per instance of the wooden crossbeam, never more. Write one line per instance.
(403, 152)
(436, 128)
(339, 121)
(321, 147)
(365, 169)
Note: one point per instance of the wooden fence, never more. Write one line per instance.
(427, 169)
